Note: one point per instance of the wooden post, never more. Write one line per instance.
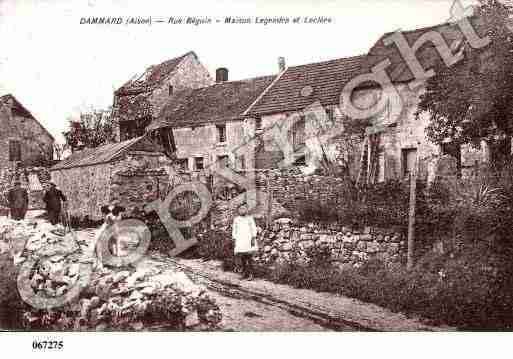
(411, 217)
(269, 204)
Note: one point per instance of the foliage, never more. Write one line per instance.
(11, 305)
(217, 245)
(59, 149)
(471, 100)
(91, 129)
(464, 289)
(383, 205)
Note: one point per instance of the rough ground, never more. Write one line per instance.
(260, 305)
(287, 308)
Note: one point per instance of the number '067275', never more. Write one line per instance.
(47, 344)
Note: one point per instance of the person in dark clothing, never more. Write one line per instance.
(18, 201)
(53, 199)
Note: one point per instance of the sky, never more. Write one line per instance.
(57, 67)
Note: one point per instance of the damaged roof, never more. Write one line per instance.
(21, 110)
(299, 86)
(220, 102)
(105, 153)
(133, 95)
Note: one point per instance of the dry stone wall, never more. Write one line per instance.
(290, 188)
(286, 241)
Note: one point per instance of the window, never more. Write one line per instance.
(409, 159)
(222, 161)
(170, 90)
(198, 163)
(183, 164)
(221, 133)
(258, 123)
(298, 133)
(14, 150)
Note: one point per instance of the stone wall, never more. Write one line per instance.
(290, 188)
(286, 241)
(135, 189)
(202, 141)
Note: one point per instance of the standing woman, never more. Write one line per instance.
(244, 232)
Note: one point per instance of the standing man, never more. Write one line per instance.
(53, 198)
(18, 201)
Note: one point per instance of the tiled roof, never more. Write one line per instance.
(98, 155)
(427, 55)
(300, 86)
(133, 95)
(219, 102)
(22, 110)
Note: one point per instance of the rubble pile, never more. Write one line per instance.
(143, 296)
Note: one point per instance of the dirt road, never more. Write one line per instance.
(260, 305)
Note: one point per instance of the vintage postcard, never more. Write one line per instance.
(253, 166)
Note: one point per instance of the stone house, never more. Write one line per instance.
(26, 150)
(137, 103)
(207, 123)
(395, 139)
(305, 97)
(131, 173)
(397, 136)
(23, 139)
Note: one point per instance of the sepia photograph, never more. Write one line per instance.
(253, 166)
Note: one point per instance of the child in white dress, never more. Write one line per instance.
(244, 233)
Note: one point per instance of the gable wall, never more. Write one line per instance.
(189, 74)
(36, 144)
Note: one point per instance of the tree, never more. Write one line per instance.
(92, 129)
(472, 100)
(59, 149)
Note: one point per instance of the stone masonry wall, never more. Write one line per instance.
(287, 241)
(134, 190)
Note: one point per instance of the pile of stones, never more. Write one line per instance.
(65, 288)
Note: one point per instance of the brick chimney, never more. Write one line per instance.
(221, 74)
(281, 64)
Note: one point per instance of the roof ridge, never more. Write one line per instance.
(332, 60)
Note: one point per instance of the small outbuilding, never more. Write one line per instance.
(131, 171)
